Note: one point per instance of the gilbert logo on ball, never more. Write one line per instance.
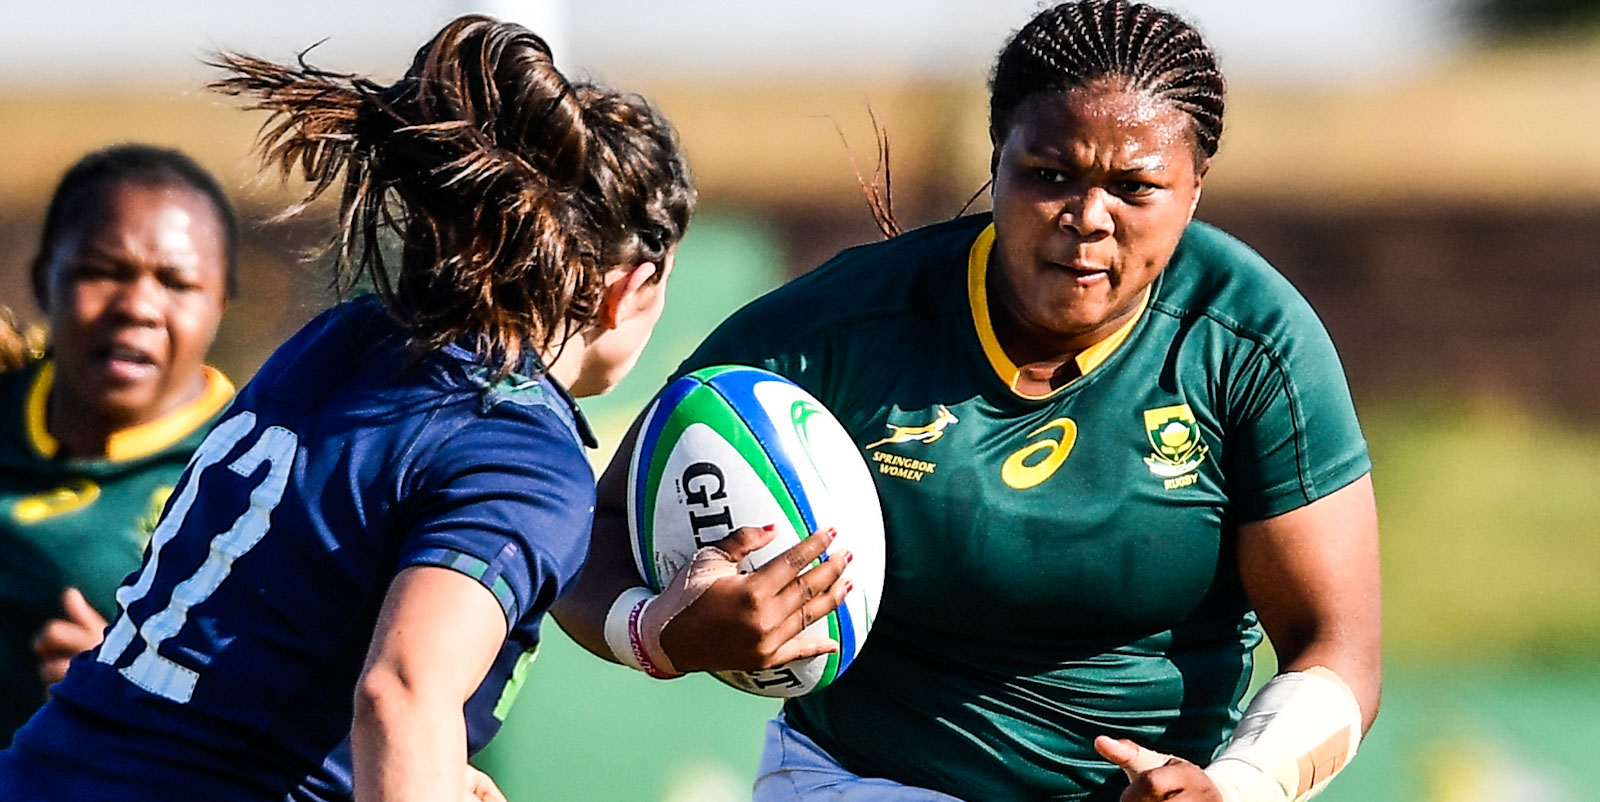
(732, 446)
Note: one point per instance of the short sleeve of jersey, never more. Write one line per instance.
(1292, 435)
(507, 500)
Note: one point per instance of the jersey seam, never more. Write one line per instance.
(1291, 392)
(414, 453)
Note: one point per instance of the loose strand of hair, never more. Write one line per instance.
(879, 192)
(889, 224)
(965, 207)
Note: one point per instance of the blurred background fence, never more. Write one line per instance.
(1427, 172)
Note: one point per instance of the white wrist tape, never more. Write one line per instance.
(1299, 731)
(616, 628)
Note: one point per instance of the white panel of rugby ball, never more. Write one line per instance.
(731, 446)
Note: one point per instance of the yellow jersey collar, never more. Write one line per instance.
(135, 441)
(978, 298)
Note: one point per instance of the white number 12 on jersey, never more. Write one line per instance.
(149, 670)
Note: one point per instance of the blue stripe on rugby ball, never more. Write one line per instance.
(737, 387)
(666, 402)
(847, 638)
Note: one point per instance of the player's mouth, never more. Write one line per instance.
(126, 363)
(1082, 273)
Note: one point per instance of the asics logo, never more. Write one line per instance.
(1021, 474)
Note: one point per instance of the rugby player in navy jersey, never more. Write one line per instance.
(352, 572)
(1146, 449)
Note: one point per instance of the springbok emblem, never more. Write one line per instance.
(925, 433)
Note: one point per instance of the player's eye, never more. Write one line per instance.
(92, 270)
(1133, 189)
(1049, 176)
(177, 282)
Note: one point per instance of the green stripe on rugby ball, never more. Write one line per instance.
(705, 405)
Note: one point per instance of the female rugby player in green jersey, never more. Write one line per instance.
(343, 595)
(136, 265)
(1147, 448)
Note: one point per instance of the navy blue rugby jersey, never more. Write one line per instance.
(229, 671)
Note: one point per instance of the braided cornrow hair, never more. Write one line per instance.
(1074, 44)
(511, 189)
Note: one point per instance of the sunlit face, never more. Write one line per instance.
(1092, 190)
(614, 351)
(135, 292)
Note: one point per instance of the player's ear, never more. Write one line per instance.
(629, 290)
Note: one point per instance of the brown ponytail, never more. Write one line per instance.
(510, 188)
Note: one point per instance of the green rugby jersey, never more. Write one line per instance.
(76, 522)
(1058, 567)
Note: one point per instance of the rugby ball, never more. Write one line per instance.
(732, 446)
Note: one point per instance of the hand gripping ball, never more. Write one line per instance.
(732, 446)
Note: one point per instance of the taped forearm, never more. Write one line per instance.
(1299, 731)
(637, 617)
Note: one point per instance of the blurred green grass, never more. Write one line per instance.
(1490, 516)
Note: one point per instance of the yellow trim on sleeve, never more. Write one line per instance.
(978, 297)
(135, 441)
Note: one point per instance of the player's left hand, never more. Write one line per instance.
(1157, 777)
(63, 638)
(723, 619)
(481, 787)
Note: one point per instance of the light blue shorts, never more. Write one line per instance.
(793, 767)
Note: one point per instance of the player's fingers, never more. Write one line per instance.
(54, 670)
(742, 541)
(1177, 779)
(776, 576)
(64, 638)
(818, 604)
(1167, 781)
(823, 578)
(812, 594)
(1132, 758)
(825, 588)
(47, 644)
(799, 648)
(78, 609)
(481, 788)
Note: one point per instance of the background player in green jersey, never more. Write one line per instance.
(135, 267)
(1148, 447)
